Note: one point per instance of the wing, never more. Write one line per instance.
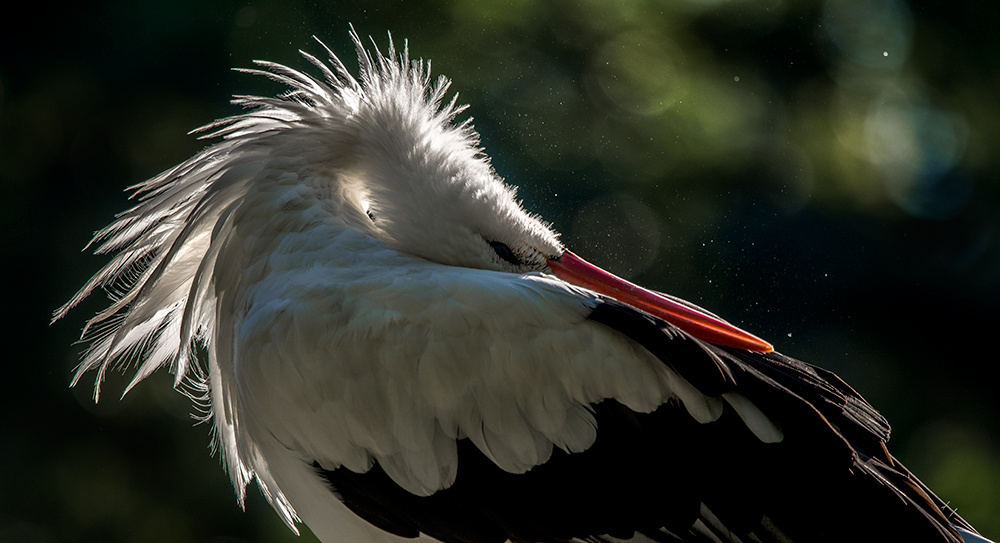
(830, 478)
(592, 422)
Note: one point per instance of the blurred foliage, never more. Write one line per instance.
(824, 174)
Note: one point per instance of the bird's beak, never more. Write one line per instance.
(577, 271)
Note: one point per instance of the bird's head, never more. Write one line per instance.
(426, 186)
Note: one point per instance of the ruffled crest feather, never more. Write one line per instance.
(160, 280)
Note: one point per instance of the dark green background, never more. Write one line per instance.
(822, 174)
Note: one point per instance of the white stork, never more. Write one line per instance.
(393, 348)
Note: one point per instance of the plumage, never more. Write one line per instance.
(389, 344)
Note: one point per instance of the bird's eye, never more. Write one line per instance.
(505, 252)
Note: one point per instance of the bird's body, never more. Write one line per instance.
(393, 348)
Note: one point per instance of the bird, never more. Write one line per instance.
(394, 349)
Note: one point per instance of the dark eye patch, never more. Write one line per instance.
(505, 252)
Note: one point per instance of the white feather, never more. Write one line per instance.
(760, 424)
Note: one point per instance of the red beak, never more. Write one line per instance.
(579, 272)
